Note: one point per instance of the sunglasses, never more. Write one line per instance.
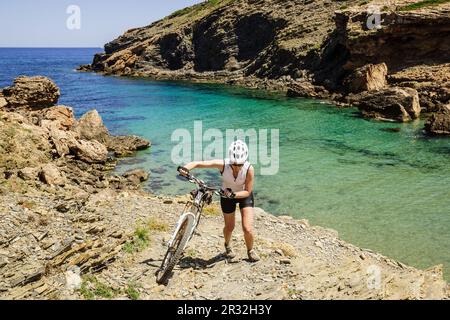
(237, 165)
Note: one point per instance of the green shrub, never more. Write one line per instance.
(423, 4)
(92, 288)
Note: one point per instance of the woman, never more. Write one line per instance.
(238, 177)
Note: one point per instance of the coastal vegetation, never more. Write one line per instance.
(423, 4)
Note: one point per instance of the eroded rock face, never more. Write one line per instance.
(439, 123)
(60, 116)
(319, 49)
(406, 38)
(368, 78)
(3, 102)
(431, 81)
(247, 37)
(48, 149)
(21, 143)
(31, 92)
(412, 43)
(397, 104)
(90, 151)
(306, 89)
(91, 127)
(63, 141)
(51, 175)
(81, 229)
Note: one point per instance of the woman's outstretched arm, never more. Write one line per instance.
(212, 164)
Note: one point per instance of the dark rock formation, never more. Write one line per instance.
(412, 44)
(306, 89)
(399, 104)
(439, 123)
(251, 38)
(368, 78)
(123, 146)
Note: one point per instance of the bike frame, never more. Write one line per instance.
(198, 203)
(190, 218)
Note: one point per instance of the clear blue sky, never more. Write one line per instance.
(42, 23)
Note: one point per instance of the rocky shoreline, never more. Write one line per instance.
(319, 49)
(73, 229)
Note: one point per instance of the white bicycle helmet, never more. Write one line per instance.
(238, 152)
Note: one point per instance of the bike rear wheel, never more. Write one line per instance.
(175, 252)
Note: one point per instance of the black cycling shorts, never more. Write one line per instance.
(229, 205)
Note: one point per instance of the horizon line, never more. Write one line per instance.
(51, 47)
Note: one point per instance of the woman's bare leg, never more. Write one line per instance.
(247, 226)
(230, 222)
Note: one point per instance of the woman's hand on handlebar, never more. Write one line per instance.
(228, 193)
(225, 193)
(184, 172)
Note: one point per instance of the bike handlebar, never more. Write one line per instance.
(192, 179)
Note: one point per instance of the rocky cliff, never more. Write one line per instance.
(306, 48)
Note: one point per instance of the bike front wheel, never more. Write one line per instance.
(175, 251)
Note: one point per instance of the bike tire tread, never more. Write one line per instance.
(177, 255)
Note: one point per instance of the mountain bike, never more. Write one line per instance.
(187, 224)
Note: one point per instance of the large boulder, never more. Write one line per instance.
(31, 92)
(28, 174)
(136, 176)
(91, 127)
(439, 122)
(90, 151)
(3, 102)
(70, 143)
(123, 146)
(51, 175)
(62, 140)
(371, 77)
(61, 116)
(305, 89)
(390, 104)
(21, 143)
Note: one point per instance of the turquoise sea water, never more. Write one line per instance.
(381, 189)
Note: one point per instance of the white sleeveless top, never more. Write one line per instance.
(229, 181)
